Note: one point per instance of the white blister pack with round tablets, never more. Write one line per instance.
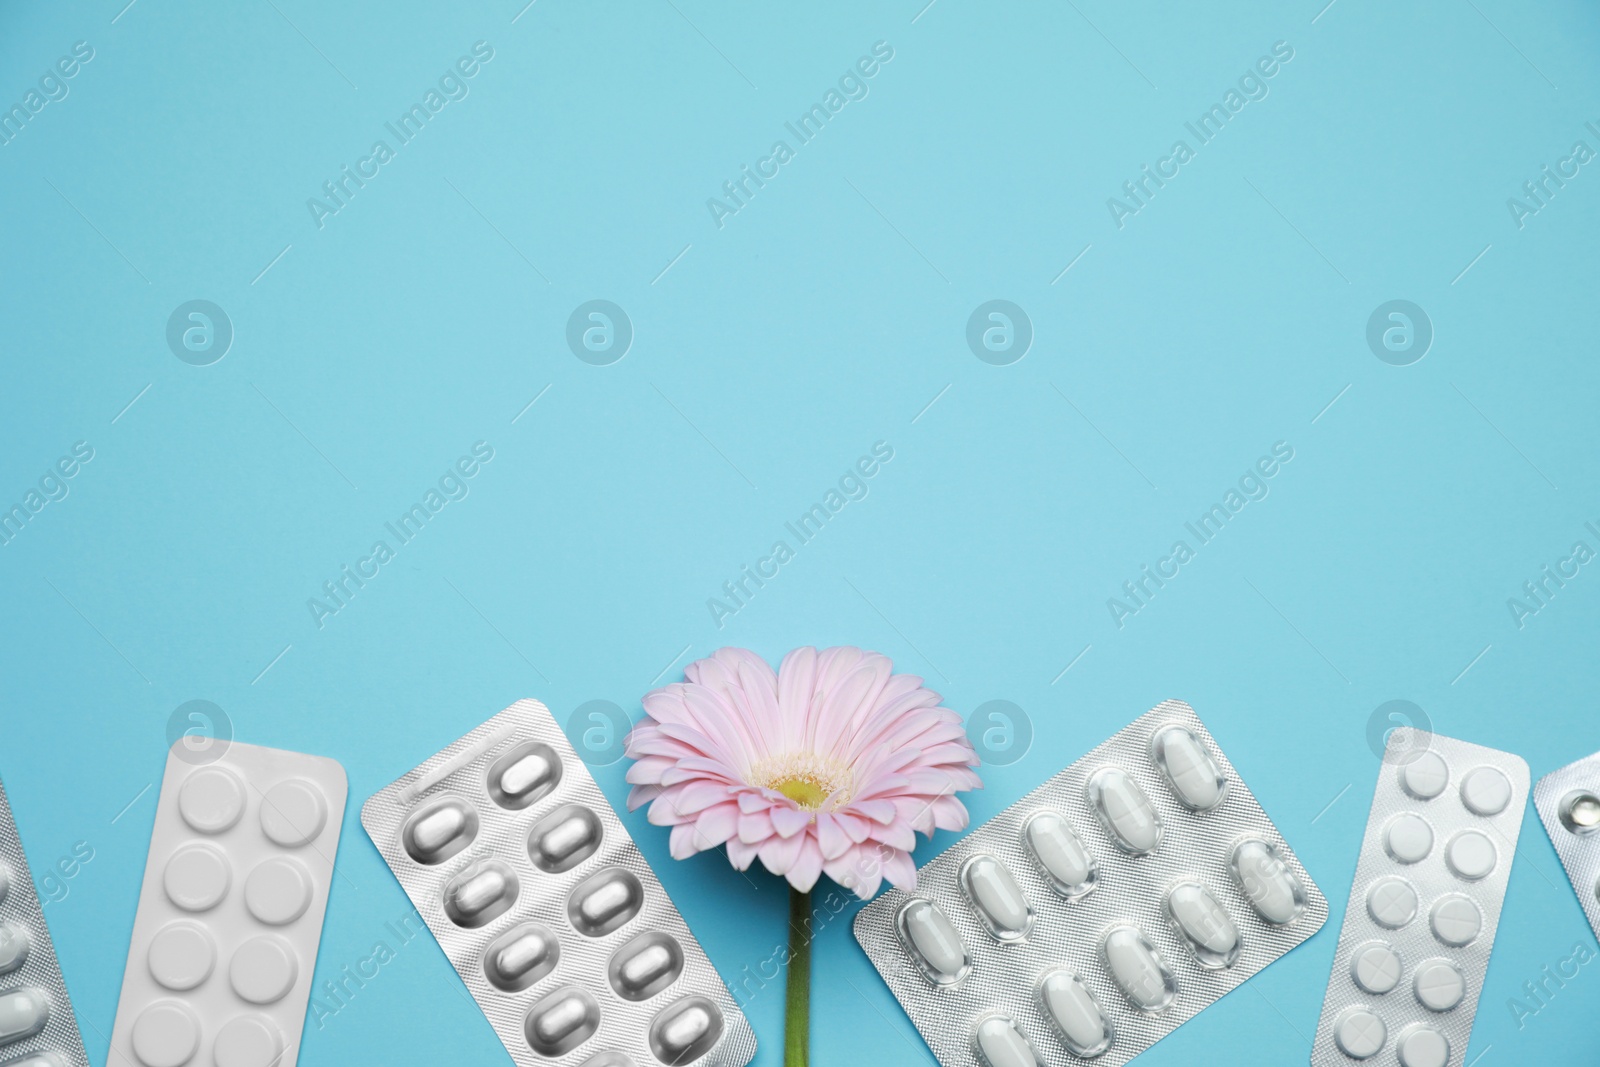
(37, 1027)
(544, 904)
(1423, 909)
(1098, 913)
(230, 913)
(1568, 801)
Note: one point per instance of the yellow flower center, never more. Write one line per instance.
(805, 791)
(805, 778)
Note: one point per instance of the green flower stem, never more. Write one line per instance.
(797, 996)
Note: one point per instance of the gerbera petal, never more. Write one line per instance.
(789, 820)
(900, 870)
(778, 854)
(831, 838)
(807, 866)
(715, 825)
(755, 827)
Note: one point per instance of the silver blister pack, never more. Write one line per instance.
(37, 1027)
(1424, 905)
(1098, 913)
(1568, 801)
(544, 904)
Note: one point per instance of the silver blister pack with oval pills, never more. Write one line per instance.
(37, 1026)
(1099, 912)
(1568, 801)
(545, 906)
(1423, 908)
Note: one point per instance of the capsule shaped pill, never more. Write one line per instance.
(564, 838)
(933, 942)
(1059, 854)
(561, 1020)
(520, 957)
(1193, 775)
(996, 897)
(1072, 1009)
(686, 1030)
(645, 966)
(23, 1012)
(14, 941)
(1124, 810)
(1138, 970)
(480, 893)
(1266, 882)
(524, 775)
(604, 901)
(1204, 925)
(999, 1043)
(439, 831)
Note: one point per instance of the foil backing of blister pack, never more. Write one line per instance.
(1568, 801)
(1424, 906)
(1067, 935)
(30, 977)
(543, 903)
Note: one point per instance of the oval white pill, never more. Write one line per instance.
(1439, 985)
(1077, 1017)
(1000, 1044)
(22, 1012)
(1408, 838)
(1425, 775)
(14, 943)
(1124, 811)
(1139, 972)
(1195, 779)
(933, 941)
(1470, 855)
(1423, 1047)
(1266, 883)
(1375, 968)
(1392, 902)
(1360, 1034)
(1060, 854)
(1485, 791)
(685, 1031)
(996, 897)
(1204, 924)
(1456, 920)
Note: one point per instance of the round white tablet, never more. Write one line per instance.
(181, 955)
(196, 877)
(263, 970)
(1470, 855)
(278, 891)
(1408, 838)
(1423, 1047)
(1439, 985)
(211, 800)
(1392, 902)
(248, 1041)
(1425, 775)
(1359, 1034)
(293, 812)
(1456, 920)
(1485, 791)
(165, 1035)
(1375, 968)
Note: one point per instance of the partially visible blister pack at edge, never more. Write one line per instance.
(1212, 841)
(581, 952)
(30, 977)
(1569, 806)
(1421, 918)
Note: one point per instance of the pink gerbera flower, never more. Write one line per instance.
(830, 765)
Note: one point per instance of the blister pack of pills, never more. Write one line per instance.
(542, 901)
(1423, 909)
(1098, 913)
(230, 913)
(1568, 801)
(37, 1027)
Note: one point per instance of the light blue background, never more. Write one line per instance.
(825, 316)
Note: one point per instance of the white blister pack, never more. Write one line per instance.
(1425, 903)
(1568, 801)
(1098, 913)
(37, 1028)
(545, 906)
(230, 914)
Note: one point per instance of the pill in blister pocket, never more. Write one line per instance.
(1059, 854)
(564, 838)
(1195, 779)
(439, 831)
(604, 901)
(933, 943)
(23, 1012)
(561, 1020)
(1275, 894)
(645, 966)
(520, 957)
(1408, 838)
(1072, 1008)
(1485, 791)
(1000, 1044)
(1439, 985)
(996, 897)
(13, 947)
(685, 1031)
(1455, 920)
(1360, 1034)
(1471, 855)
(1423, 1046)
(1375, 968)
(524, 775)
(1124, 811)
(1138, 969)
(1203, 924)
(1580, 811)
(480, 893)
